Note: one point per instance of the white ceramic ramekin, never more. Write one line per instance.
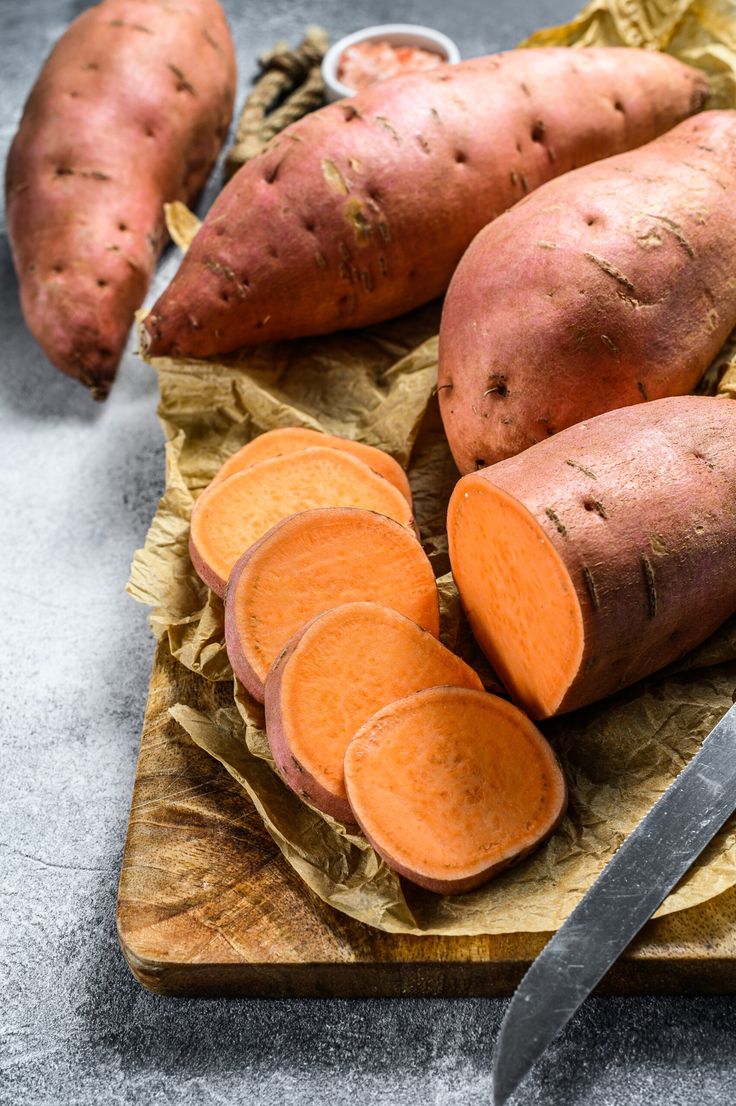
(398, 34)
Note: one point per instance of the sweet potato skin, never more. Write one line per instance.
(362, 210)
(611, 286)
(129, 110)
(241, 666)
(639, 504)
(289, 769)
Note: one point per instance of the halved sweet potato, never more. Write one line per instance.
(289, 439)
(602, 554)
(451, 786)
(232, 514)
(336, 672)
(313, 561)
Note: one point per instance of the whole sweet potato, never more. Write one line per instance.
(362, 210)
(600, 555)
(129, 110)
(611, 286)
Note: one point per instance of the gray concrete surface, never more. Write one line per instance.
(79, 483)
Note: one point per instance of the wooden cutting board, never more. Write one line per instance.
(207, 905)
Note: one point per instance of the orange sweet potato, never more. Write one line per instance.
(452, 786)
(231, 514)
(595, 558)
(129, 110)
(288, 439)
(608, 287)
(335, 673)
(362, 210)
(313, 561)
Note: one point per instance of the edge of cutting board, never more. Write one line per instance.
(207, 905)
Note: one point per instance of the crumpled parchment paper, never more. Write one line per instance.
(378, 386)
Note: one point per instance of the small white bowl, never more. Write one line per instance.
(398, 34)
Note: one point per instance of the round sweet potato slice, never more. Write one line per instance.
(289, 439)
(232, 514)
(335, 673)
(451, 786)
(313, 561)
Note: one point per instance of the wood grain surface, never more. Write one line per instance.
(207, 905)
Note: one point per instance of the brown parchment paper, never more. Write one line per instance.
(379, 386)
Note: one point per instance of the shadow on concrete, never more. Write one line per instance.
(408, 1050)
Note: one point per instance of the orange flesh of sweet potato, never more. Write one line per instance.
(528, 623)
(362, 210)
(313, 561)
(451, 786)
(608, 287)
(332, 676)
(599, 556)
(288, 439)
(129, 110)
(232, 514)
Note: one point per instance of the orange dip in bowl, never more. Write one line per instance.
(364, 63)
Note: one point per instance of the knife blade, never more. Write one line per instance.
(640, 875)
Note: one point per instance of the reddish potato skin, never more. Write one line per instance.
(130, 110)
(294, 774)
(240, 664)
(205, 573)
(362, 210)
(606, 288)
(469, 883)
(647, 499)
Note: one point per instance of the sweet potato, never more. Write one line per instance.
(288, 439)
(336, 672)
(452, 786)
(608, 287)
(129, 110)
(361, 210)
(600, 555)
(313, 561)
(231, 514)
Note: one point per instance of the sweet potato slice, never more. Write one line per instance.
(289, 439)
(599, 556)
(232, 514)
(336, 672)
(451, 786)
(313, 561)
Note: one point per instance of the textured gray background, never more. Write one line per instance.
(79, 484)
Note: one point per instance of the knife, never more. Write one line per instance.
(640, 875)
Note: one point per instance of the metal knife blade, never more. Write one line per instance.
(646, 867)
